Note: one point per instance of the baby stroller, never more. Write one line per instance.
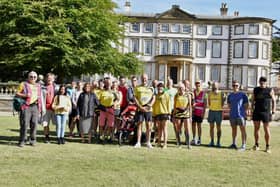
(127, 126)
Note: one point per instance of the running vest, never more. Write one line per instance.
(215, 101)
(262, 99)
(199, 103)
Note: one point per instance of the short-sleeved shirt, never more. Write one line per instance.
(34, 90)
(171, 92)
(97, 93)
(237, 102)
(216, 101)
(123, 90)
(143, 94)
(162, 104)
(107, 98)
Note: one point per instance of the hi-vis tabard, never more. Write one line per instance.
(199, 103)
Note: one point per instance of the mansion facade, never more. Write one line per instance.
(181, 45)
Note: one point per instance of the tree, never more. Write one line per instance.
(275, 49)
(66, 37)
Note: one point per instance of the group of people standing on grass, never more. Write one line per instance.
(95, 108)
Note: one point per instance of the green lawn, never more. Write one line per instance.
(76, 164)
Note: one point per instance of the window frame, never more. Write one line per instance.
(212, 50)
(172, 47)
(267, 55)
(161, 47)
(255, 81)
(234, 49)
(131, 27)
(132, 46)
(151, 49)
(268, 30)
(201, 26)
(190, 27)
(204, 73)
(172, 26)
(219, 72)
(253, 25)
(197, 47)
(235, 29)
(234, 72)
(145, 26)
(221, 29)
(164, 24)
(257, 50)
(188, 47)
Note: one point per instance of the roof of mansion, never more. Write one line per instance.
(175, 13)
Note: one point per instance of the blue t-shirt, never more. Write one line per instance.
(237, 102)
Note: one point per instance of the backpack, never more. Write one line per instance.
(17, 103)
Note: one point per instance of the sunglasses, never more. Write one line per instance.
(32, 77)
(235, 85)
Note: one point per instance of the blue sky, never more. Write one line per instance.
(257, 8)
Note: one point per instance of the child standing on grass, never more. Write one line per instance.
(61, 107)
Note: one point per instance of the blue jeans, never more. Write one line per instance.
(60, 124)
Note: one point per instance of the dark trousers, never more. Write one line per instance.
(28, 118)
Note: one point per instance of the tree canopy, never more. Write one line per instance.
(66, 37)
(275, 49)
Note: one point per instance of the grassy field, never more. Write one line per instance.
(76, 164)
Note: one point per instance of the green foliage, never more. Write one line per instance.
(275, 49)
(66, 37)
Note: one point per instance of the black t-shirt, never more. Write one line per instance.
(262, 99)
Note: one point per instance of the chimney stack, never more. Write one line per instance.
(175, 6)
(236, 13)
(127, 7)
(224, 9)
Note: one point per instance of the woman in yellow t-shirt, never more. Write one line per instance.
(182, 113)
(162, 110)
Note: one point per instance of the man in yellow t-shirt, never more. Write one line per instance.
(216, 102)
(144, 98)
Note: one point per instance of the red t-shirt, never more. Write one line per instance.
(49, 96)
(123, 90)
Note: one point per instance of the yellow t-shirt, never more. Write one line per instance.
(143, 94)
(162, 104)
(215, 101)
(181, 101)
(34, 90)
(107, 98)
(97, 93)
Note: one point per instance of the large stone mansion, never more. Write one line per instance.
(181, 45)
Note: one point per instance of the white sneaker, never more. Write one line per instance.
(137, 145)
(149, 145)
(242, 148)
